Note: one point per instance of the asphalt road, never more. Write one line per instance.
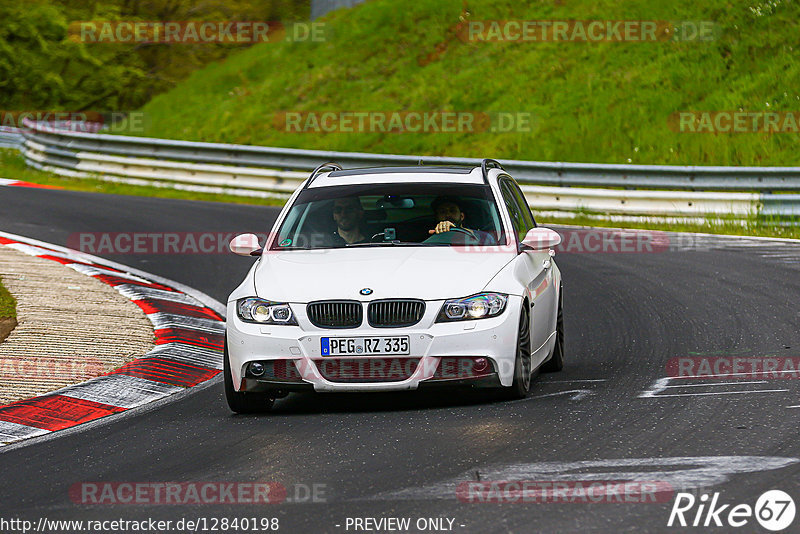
(403, 455)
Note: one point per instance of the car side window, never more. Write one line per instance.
(524, 208)
(513, 210)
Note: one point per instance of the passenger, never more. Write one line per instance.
(349, 218)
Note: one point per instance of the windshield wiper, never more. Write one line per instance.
(396, 243)
(378, 244)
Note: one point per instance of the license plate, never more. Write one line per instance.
(364, 346)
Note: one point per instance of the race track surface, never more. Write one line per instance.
(614, 407)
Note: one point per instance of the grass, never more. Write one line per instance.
(8, 306)
(12, 166)
(591, 102)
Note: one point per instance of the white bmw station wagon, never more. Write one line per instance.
(387, 279)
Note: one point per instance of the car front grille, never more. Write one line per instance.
(395, 313)
(335, 314)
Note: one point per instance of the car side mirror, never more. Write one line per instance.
(246, 245)
(541, 238)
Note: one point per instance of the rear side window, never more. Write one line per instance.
(514, 212)
(524, 208)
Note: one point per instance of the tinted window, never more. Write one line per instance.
(513, 209)
(524, 208)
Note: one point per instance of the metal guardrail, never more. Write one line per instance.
(544, 173)
(269, 171)
(11, 137)
(323, 7)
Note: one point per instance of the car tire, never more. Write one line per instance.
(523, 372)
(556, 361)
(242, 402)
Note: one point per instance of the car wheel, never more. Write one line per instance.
(522, 364)
(556, 361)
(242, 402)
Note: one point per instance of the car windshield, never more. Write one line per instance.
(392, 214)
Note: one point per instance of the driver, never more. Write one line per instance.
(349, 218)
(449, 214)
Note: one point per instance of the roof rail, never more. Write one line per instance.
(489, 164)
(329, 166)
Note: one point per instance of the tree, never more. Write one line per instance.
(43, 67)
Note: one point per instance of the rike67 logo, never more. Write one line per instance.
(774, 510)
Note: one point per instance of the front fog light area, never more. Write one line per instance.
(462, 367)
(256, 310)
(480, 306)
(256, 369)
(274, 371)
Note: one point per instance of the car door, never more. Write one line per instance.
(537, 267)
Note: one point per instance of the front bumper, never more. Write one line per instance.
(493, 339)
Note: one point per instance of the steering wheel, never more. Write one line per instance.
(462, 230)
(449, 237)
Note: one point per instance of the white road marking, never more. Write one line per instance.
(657, 387)
(682, 473)
(720, 393)
(568, 381)
(577, 394)
(717, 384)
(662, 384)
(726, 375)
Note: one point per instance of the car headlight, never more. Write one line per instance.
(480, 306)
(255, 310)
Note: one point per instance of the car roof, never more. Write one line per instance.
(379, 175)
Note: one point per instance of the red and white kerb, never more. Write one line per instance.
(189, 343)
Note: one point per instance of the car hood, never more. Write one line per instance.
(428, 273)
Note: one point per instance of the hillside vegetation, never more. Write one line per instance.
(44, 66)
(590, 101)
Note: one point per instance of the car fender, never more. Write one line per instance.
(247, 288)
(512, 279)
